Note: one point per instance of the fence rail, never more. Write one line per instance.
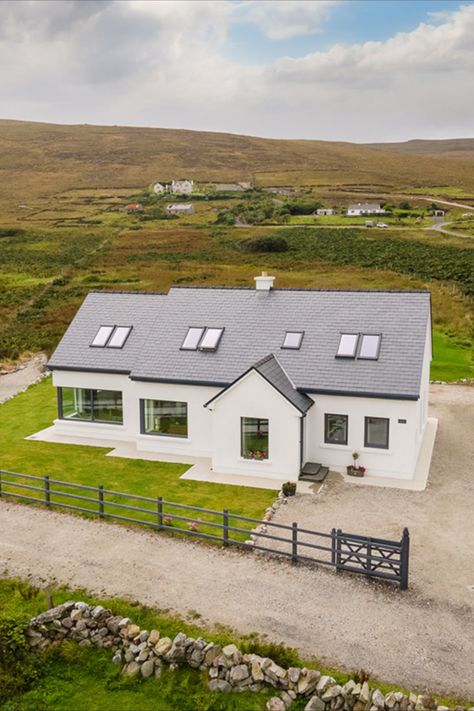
(364, 555)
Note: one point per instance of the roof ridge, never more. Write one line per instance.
(265, 359)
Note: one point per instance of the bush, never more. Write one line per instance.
(266, 244)
(19, 669)
(289, 488)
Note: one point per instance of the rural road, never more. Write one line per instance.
(346, 621)
(18, 380)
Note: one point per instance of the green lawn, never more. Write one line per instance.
(35, 409)
(452, 358)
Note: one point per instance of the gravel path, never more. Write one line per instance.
(346, 621)
(440, 519)
(13, 383)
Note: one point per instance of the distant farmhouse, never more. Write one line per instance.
(159, 188)
(182, 187)
(326, 211)
(134, 207)
(180, 209)
(365, 208)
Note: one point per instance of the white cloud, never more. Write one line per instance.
(287, 18)
(163, 64)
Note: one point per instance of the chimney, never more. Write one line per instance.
(264, 282)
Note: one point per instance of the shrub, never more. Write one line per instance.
(266, 244)
(19, 669)
(289, 488)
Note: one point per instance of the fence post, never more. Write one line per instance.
(160, 512)
(47, 494)
(225, 516)
(100, 491)
(338, 549)
(404, 558)
(333, 546)
(0, 484)
(369, 557)
(294, 543)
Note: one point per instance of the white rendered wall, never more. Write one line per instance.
(254, 397)
(397, 461)
(198, 441)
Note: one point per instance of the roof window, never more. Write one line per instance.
(293, 340)
(211, 338)
(102, 336)
(203, 339)
(192, 339)
(347, 345)
(111, 336)
(369, 347)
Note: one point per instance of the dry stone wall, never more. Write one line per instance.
(143, 653)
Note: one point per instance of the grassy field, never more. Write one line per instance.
(36, 409)
(84, 679)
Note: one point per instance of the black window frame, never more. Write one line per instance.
(162, 434)
(92, 400)
(293, 348)
(254, 459)
(114, 327)
(366, 427)
(326, 433)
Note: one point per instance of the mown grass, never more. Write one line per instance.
(84, 679)
(453, 359)
(36, 409)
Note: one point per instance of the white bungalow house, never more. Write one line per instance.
(326, 211)
(182, 187)
(365, 208)
(180, 208)
(262, 381)
(159, 188)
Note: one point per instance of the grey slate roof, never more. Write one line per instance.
(255, 324)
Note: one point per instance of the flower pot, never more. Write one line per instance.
(354, 471)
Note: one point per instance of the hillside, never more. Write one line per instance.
(453, 148)
(39, 159)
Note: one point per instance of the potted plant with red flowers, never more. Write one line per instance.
(353, 469)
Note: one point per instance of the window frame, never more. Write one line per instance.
(242, 449)
(92, 419)
(356, 346)
(376, 356)
(197, 328)
(326, 432)
(293, 348)
(366, 429)
(162, 434)
(104, 325)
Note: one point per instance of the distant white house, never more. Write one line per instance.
(184, 208)
(326, 211)
(182, 187)
(159, 188)
(365, 208)
(229, 188)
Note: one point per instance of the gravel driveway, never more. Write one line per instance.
(440, 519)
(422, 639)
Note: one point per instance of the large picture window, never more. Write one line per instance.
(376, 432)
(91, 405)
(165, 417)
(254, 438)
(335, 429)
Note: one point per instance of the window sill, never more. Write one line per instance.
(375, 450)
(340, 447)
(259, 461)
(166, 437)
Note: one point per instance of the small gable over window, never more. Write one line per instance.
(111, 337)
(347, 345)
(369, 347)
(293, 340)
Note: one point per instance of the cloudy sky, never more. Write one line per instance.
(352, 70)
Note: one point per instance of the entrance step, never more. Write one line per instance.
(313, 472)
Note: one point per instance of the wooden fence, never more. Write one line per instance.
(365, 555)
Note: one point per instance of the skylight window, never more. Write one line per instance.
(293, 340)
(347, 345)
(192, 339)
(119, 336)
(211, 338)
(102, 336)
(369, 347)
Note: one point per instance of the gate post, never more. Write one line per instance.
(160, 512)
(338, 549)
(47, 495)
(225, 528)
(294, 543)
(333, 546)
(404, 559)
(100, 491)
